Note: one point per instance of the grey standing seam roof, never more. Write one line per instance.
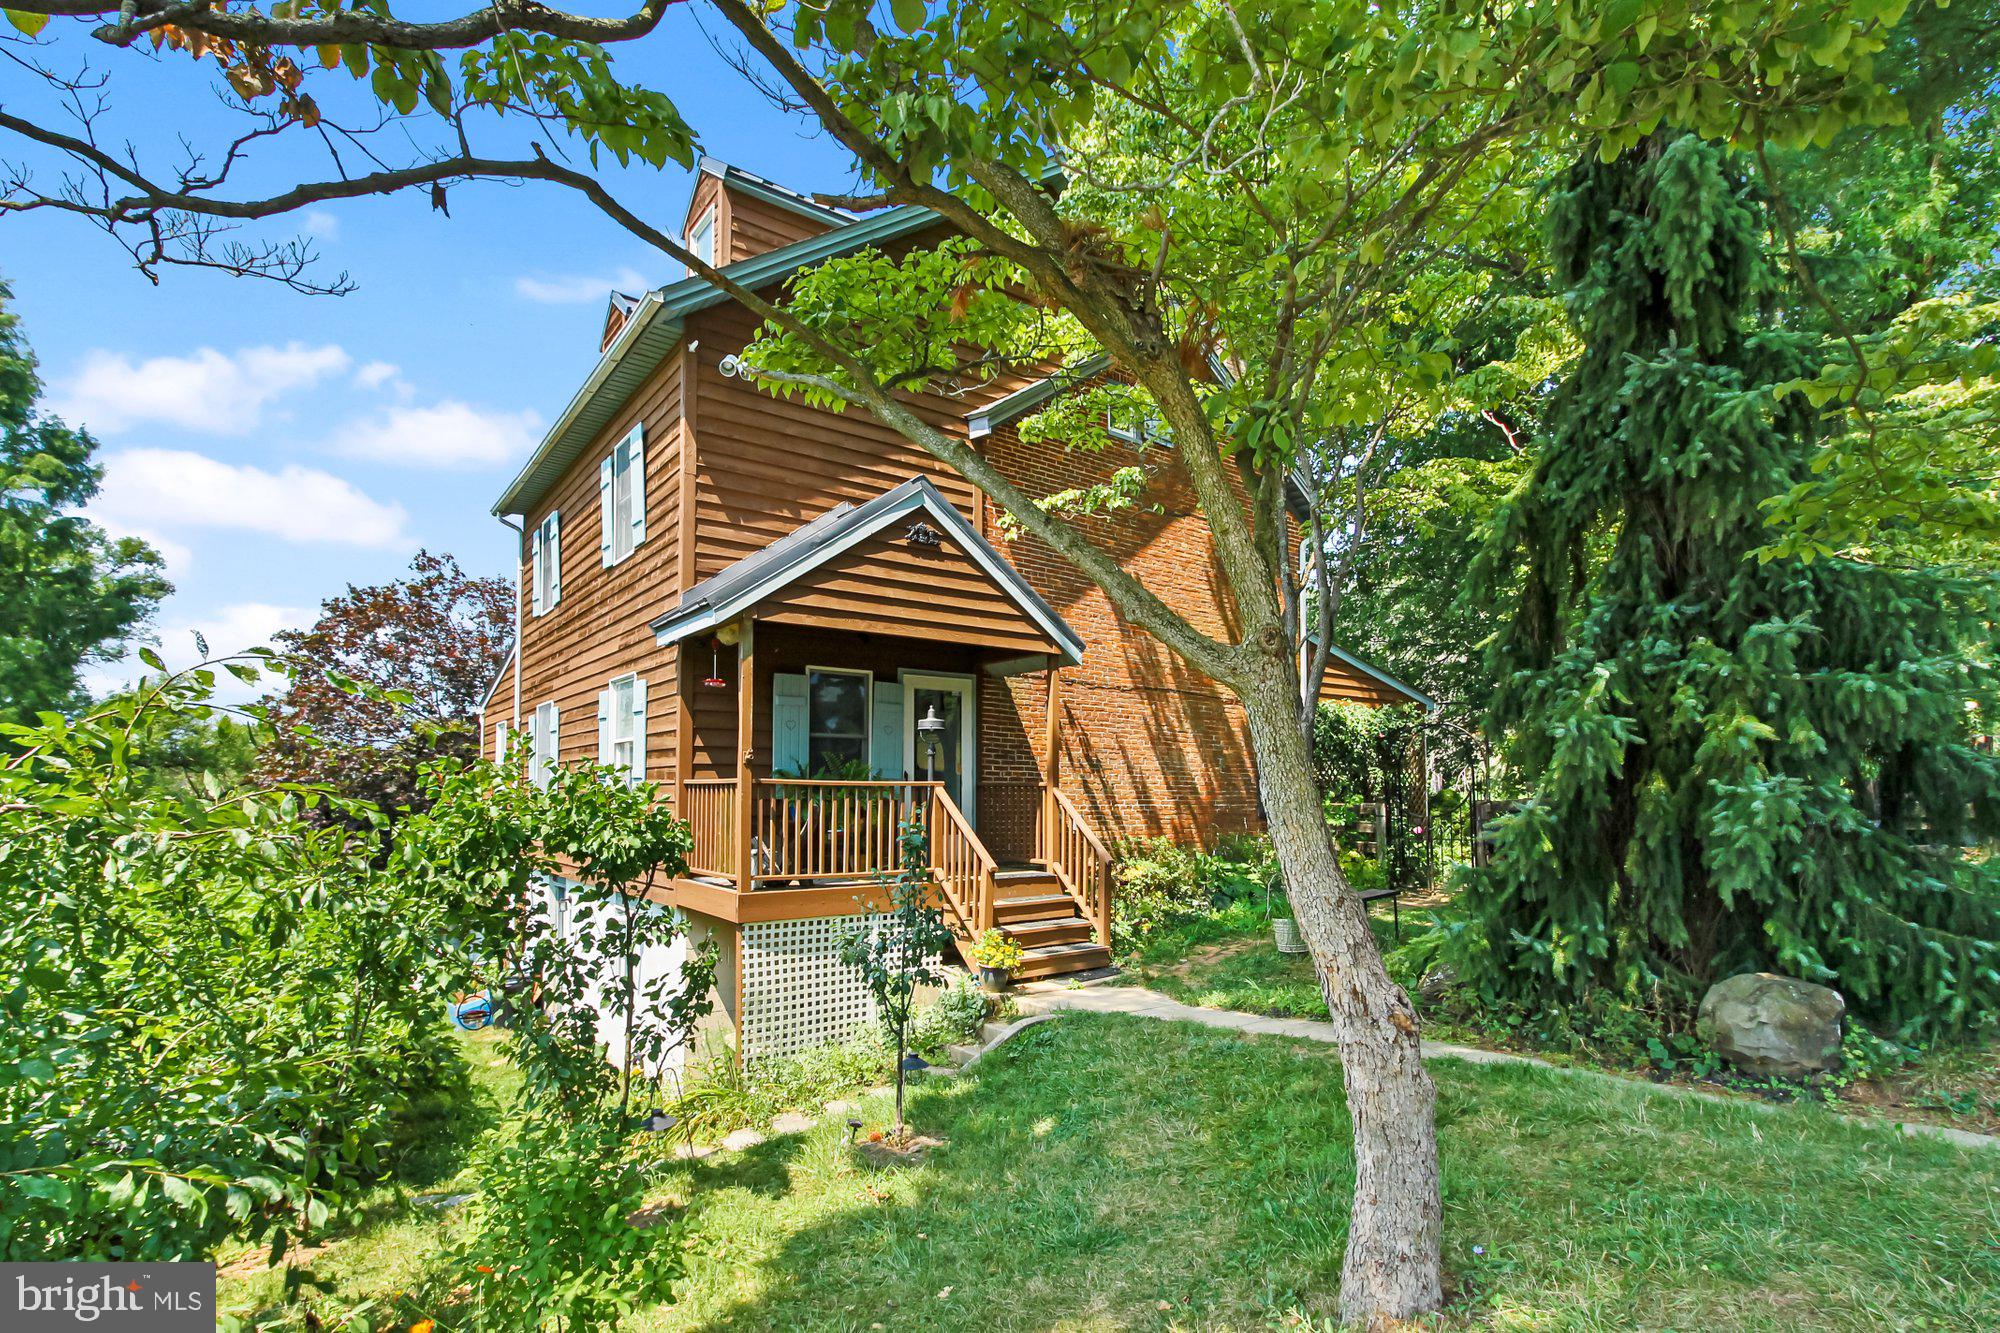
(720, 596)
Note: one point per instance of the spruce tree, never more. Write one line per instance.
(1736, 764)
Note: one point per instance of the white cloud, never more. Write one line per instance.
(153, 489)
(446, 434)
(376, 374)
(320, 224)
(577, 288)
(229, 630)
(210, 391)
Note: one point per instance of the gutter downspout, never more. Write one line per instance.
(520, 553)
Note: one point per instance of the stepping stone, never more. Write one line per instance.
(960, 1054)
(738, 1140)
(839, 1109)
(791, 1122)
(441, 1201)
(992, 1032)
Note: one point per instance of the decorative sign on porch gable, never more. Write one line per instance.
(923, 534)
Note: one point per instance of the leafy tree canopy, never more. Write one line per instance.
(1736, 764)
(74, 594)
(428, 646)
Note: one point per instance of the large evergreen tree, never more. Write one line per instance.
(1737, 763)
(69, 594)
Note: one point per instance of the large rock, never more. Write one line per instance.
(1772, 1026)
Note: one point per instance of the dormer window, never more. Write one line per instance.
(701, 238)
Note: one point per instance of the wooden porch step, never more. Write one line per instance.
(1058, 959)
(1035, 934)
(1042, 907)
(1024, 884)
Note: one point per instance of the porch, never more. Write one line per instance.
(823, 704)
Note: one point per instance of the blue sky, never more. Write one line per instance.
(276, 446)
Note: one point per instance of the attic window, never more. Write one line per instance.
(701, 239)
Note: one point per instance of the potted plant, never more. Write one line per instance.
(1284, 929)
(997, 955)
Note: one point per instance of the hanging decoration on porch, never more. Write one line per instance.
(715, 680)
(923, 534)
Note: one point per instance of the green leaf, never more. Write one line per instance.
(31, 24)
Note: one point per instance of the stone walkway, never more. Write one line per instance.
(1047, 998)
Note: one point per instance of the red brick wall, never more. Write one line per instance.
(1150, 746)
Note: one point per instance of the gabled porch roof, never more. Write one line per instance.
(822, 543)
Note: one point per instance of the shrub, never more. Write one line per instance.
(552, 1240)
(228, 1005)
(1161, 884)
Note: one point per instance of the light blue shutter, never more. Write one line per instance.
(638, 731)
(885, 738)
(636, 443)
(555, 557)
(536, 555)
(604, 510)
(789, 752)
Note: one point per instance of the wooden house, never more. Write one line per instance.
(805, 630)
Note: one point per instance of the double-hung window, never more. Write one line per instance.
(544, 742)
(621, 727)
(545, 563)
(836, 719)
(621, 486)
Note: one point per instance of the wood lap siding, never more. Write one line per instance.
(746, 226)
(766, 466)
(924, 591)
(601, 626)
(757, 225)
(1343, 684)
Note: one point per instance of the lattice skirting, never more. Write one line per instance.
(797, 994)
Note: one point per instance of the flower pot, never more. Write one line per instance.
(1286, 932)
(995, 980)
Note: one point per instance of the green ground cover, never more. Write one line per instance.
(1225, 959)
(1102, 1172)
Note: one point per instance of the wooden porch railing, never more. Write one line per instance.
(962, 865)
(1080, 861)
(802, 829)
(711, 815)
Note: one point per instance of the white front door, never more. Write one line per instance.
(945, 752)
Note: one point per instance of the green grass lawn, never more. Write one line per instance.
(1227, 960)
(1102, 1172)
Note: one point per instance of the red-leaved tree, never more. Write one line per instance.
(429, 644)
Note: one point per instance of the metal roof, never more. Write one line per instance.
(1031, 396)
(722, 597)
(771, 192)
(654, 329)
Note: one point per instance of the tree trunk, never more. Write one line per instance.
(1391, 1271)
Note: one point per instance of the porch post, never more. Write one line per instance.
(746, 715)
(1051, 764)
